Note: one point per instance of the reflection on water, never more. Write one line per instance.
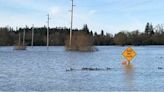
(129, 76)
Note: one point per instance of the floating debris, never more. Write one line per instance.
(160, 68)
(108, 68)
(89, 69)
(71, 69)
(161, 57)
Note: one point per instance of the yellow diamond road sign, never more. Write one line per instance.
(129, 54)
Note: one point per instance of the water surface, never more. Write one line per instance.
(39, 69)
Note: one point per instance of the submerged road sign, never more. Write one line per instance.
(129, 54)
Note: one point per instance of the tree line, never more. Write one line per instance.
(59, 35)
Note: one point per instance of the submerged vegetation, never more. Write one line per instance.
(84, 37)
(81, 41)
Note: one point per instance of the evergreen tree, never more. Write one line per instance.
(147, 28)
(86, 29)
(151, 30)
(91, 33)
(95, 34)
(102, 32)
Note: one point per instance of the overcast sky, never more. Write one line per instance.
(110, 15)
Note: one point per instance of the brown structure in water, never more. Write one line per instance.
(81, 41)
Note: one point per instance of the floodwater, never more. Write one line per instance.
(39, 69)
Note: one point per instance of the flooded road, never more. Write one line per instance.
(37, 69)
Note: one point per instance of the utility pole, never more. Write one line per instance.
(24, 36)
(48, 30)
(32, 39)
(19, 43)
(72, 10)
(19, 40)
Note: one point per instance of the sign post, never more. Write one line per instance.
(129, 54)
